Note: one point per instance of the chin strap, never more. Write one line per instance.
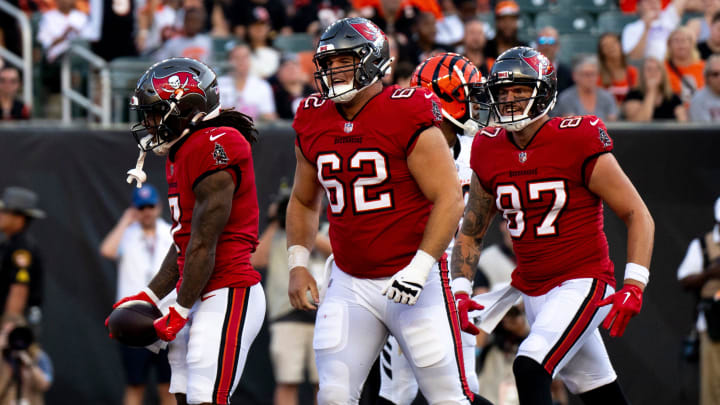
(137, 173)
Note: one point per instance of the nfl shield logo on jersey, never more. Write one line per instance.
(348, 127)
(522, 157)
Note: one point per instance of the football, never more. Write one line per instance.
(132, 323)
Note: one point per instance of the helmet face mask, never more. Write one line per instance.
(365, 43)
(169, 98)
(521, 66)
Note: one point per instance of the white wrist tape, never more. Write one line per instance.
(637, 272)
(422, 260)
(181, 310)
(152, 295)
(461, 284)
(298, 256)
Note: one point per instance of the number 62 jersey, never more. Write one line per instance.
(555, 221)
(376, 210)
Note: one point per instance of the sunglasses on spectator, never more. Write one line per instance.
(547, 41)
(142, 207)
(714, 73)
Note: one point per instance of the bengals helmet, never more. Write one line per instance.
(361, 39)
(450, 77)
(170, 97)
(522, 66)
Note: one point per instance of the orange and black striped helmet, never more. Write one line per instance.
(448, 76)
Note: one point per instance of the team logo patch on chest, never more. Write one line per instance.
(522, 157)
(219, 155)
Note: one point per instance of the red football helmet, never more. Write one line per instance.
(449, 76)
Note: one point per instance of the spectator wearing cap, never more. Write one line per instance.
(290, 86)
(264, 60)
(11, 108)
(705, 104)
(21, 265)
(245, 91)
(548, 44)
(241, 14)
(139, 242)
(586, 97)
(648, 35)
(506, 27)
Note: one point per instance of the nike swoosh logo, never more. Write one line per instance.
(593, 123)
(215, 137)
(204, 298)
(627, 295)
(428, 95)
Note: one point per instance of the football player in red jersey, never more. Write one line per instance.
(394, 204)
(448, 75)
(549, 179)
(211, 190)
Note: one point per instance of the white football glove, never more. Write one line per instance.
(407, 284)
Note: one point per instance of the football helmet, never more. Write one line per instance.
(450, 77)
(522, 66)
(369, 47)
(170, 97)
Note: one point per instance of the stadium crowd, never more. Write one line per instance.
(635, 60)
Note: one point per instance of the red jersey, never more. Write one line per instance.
(200, 154)
(376, 210)
(541, 190)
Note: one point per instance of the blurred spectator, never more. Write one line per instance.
(468, 9)
(139, 242)
(26, 371)
(548, 43)
(264, 60)
(194, 42)
(21, 265)
(242, 13)
(630, 6)
(711, 44)
(304, 15)
(291, 330)
(506, 29)
(648, 35)
(701, 26)
(450, 28)
(402, 74)
(290, 86)
(705, 104)
(11, 107)
(653, 99)
(396, 16)
(57, 28)
(700, 272)
(683, 64)
(586, 97)
(473, 46)
(244, 91)
(422, 44)
(158, 21)
(616, 75)
(108, 27)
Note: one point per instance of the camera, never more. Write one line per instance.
(19, 339)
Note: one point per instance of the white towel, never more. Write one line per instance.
(496, 304)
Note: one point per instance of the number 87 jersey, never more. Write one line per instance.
(555, 221)
(376, 210)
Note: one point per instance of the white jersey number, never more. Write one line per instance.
(335, 189)
(509, 201)
(174, 202)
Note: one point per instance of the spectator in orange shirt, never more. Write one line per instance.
(616, 76)
(683, 64)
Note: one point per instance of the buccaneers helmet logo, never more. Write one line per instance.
(540, 64)
(176, 85)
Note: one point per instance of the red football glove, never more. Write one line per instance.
(464, 305)
(626, 303)
(141, 296)
(169, 325)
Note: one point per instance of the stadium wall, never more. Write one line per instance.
(79, 174)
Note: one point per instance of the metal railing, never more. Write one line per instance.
(69, 95)
(23, 62)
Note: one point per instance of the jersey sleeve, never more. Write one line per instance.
(476, 160)
(222, 149)
(421, 111)
(594, 141)
(302, 121)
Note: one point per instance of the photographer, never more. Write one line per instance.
(26, 371)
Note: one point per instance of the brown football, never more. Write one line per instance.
(132, 323)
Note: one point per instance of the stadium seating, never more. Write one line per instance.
(566, 22)
(124, 73)
(614, 21)
(294, 43)
(589, 6)
(535, 6)
(572, 45)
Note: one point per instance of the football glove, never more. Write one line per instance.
(145, 295)
(407, 284)
(626, 303)
(465, 305)
(169, 325)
